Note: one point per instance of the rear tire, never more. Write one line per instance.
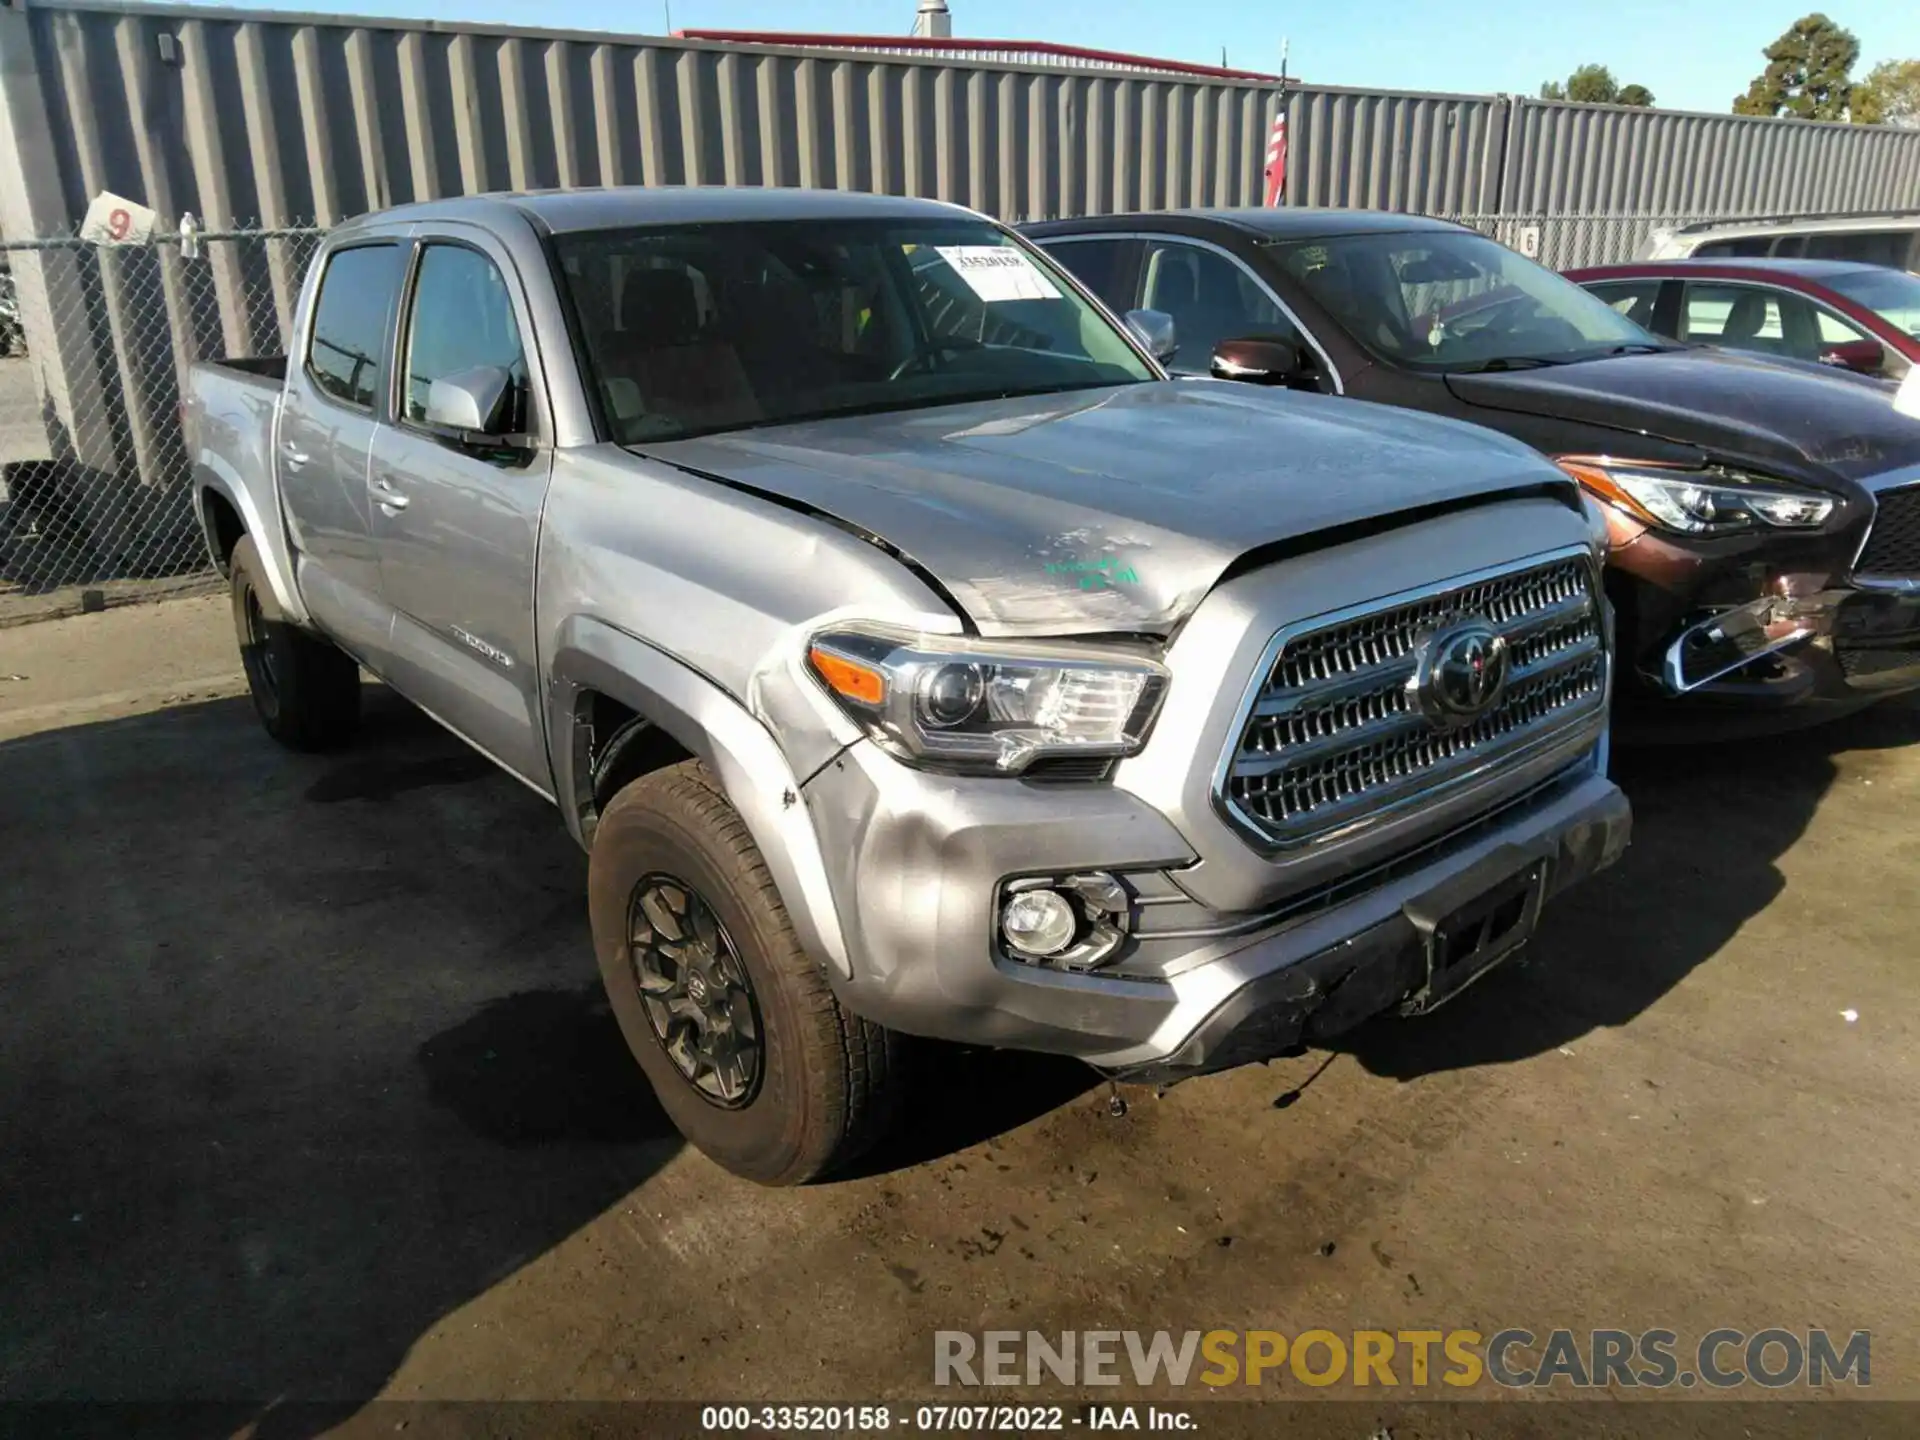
(307, 692)
(735, 1025)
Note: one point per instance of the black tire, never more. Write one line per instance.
(307, 692)
(826, 1083)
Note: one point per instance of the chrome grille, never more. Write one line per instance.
(1335, 732)
(1893, 544)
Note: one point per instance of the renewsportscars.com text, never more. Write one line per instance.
(1516, 1359)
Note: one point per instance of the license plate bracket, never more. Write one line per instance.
(1465, 942)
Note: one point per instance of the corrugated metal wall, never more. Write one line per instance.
(1383, 151)
(1566, 158)
(279, 121)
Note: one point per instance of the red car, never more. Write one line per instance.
(1838, 312)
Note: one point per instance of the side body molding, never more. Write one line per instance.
(743, 756)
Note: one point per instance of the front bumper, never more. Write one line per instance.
(1817, 645)
(919, 860)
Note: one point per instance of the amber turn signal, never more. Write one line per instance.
(860, 683)
(1597, 482)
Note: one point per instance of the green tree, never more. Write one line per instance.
(1595, 85)
(1808, 75)
(1890, 95)
(1592, 85)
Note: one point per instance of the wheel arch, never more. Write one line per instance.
(224, 505)
(663, 711)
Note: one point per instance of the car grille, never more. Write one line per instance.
(1876, 664)
(1893, 545)
(1335, 733)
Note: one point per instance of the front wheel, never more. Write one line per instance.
(307, 693)
(748, 1050)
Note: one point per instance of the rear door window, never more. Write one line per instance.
(1740, 317)
(346, 353)
(1105, 267)
(1211, 298)
(1747, 245)
(1869, 247)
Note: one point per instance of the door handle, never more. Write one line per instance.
(388, 499)
(294, 455)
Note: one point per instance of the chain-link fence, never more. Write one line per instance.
(95, 341)
(1568, 242)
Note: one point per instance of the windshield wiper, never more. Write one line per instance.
(1507, 362)
(1640, 347)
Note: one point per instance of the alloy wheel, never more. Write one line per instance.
(695, 990)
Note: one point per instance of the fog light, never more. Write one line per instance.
(1039, 922)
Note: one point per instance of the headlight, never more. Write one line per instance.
(1699, 502)
(988, 706)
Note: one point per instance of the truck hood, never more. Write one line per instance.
(1801, 418)
(1114, 509)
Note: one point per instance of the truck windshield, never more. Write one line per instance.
(1453, 300)
(691, 329)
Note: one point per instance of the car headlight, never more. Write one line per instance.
(986, 706)
(1699, 502)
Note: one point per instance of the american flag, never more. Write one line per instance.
(1277, 157)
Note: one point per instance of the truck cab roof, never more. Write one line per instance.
(1288, 222)
(562, 211)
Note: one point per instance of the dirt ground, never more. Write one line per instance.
(307, 1093)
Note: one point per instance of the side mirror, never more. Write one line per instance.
(1862, 356)
(1265, 362)
(1155, 332)
(473, 401)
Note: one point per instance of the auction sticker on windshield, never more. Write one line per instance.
(998, 272)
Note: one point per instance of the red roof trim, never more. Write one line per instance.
(923, 42)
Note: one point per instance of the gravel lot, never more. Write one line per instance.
(307, 1092)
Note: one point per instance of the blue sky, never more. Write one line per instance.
(1693, 54)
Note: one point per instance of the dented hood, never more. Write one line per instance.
(1782, 414)
(1113, 509)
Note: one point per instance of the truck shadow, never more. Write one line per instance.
(300, 1056)
(1710, 824)
(960, 1096)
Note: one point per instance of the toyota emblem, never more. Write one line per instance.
(1462, 674)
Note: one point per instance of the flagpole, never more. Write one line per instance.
(1275, 176)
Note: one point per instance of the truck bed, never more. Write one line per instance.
(230, 412)
(265, 367)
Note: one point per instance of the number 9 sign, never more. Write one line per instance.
(115, 220)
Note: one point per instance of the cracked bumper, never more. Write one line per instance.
(919, 859)
(1291, 998)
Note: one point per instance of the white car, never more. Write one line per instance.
(1891, 238)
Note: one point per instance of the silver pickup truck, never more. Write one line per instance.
(908, 652)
